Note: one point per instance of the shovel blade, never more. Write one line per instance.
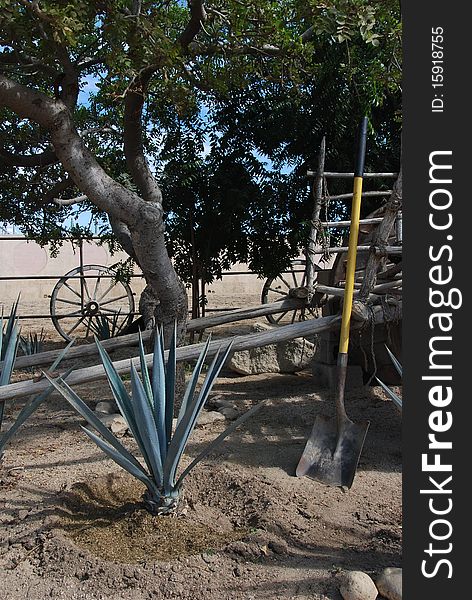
(332, 458)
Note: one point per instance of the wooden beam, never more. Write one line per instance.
(241, 314)
(186, 353)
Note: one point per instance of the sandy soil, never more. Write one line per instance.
(71, 526)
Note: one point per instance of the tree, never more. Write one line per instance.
(153, 62)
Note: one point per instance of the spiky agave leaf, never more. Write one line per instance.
(146, 424)
(76, 402)
(145, 370)
(191, 387)
(395, 397)
(218, 440)
(395, 361)
(184, 429)
(12, 321)
(123, 400)
(27, 410)
(171, 371)
(158, 385)
(123, 462)
(10, 352)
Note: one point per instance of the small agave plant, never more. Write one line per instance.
(32, 343)
(395, 397)
(10, 339)
(149, 412)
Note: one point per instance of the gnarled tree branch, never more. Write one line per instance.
(43, 159)
(133, 142)
(197, 17)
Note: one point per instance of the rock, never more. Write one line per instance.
(285, 357)
(107, 406)
(278, 547)
(220, 402)
(229, 413)
(356, 585)
(389, 583)
(209, 417)
(115, 423)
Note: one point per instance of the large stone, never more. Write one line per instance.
(207, 417)
(106, 406)
(389, 583)
(229, 413)
(356, 585)
(285, 357)
(115, 423)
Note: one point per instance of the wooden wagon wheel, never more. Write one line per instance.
(89, 300)
(277, 289)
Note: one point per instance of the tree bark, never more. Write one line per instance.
(143, 218)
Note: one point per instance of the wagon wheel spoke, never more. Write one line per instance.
(113, 300)
(67, 315)
(89, 324)
(108, 310)
(282, 279)
(293, 317)
(106, 292)
(277, 291)
(68, 301)
(86, 287)
(294, 277)
(76, 325)
(72, 290)
(97, 286)
(281, 316)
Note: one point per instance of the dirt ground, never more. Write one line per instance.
(71, 525)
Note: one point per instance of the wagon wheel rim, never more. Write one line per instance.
(277, 289)
(95, 304)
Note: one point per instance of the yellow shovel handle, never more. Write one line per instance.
(351, 265)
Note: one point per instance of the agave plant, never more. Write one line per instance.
(395, 397)
(149, 412)
(29, 408)
(32, 343)
(9, 340)
(106, 326)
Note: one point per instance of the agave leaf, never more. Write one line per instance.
(146, 424)
(170, 384)
(10, 355)
(76, 402)
(61, 356)
(12, 319)
(186, 426)
(395, 361)
(1, 336)
(123, 401)
(396, 399)
(218, 440)
(213, 372)
(121, 460)
(145, 370)
(28, 410)
(159, 392)
(190, 391)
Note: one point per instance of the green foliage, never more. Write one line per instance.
(231, 123)
(149, 412)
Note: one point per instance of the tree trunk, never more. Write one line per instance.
(140, 218)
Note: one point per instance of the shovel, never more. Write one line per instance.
(332, 452)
